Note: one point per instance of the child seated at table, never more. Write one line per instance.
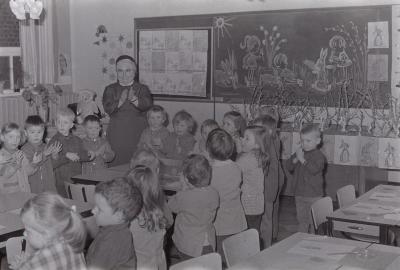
(117, 203)
(56, 233)
(68, 162)
(195, 206)
(155, 134)
(180, 142)
(15, 168)
(98, 147)
(307, 164)
(149, 227)
(206, 127)
(39, 155)
(226, 179)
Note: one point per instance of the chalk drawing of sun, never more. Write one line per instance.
(221, 24)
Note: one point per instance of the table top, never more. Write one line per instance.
(378, 206)
(121, 168)
(307, 251)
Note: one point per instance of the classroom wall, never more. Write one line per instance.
(117, 16)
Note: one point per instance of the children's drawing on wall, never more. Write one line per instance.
(368, 151)
(294, 57)
(344, 154)
(378, 34)
(157, 61)
(346, 150)
(172, 59)
(110, 46)
(64, 68)
(158, 40)
(390, 159)
(388, 154)
(328, 144)
(377, 67)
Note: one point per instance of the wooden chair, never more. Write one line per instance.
(346, 195)
(79, 192)
(210, 261)
(319, 210)
(15, 246)
(241, 246)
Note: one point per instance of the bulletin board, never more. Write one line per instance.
(328, 56)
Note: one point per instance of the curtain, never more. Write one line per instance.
(37, 47)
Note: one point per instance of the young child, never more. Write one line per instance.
(149, 228)
(155, 134)
(253, 161)
(195, 206)
(273, 181)
(308, 164)
(226, 179)
(145, 157)
(16, 168)
(234, 123)
(68, 162)
(117, 203)
(97, 146)
(55, 232)
(180, 142)
(43, 178)
(206, 127)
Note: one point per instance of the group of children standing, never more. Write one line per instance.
(231, 181)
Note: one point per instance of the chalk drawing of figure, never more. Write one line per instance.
(390, 157)
(251, 44)
(345, 154)
(366, 157)
(283, 72)
(338, 56)
(378, 39)
(319, 68)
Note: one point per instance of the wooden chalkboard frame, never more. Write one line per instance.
(175, 97)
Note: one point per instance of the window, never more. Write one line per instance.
(11, 75)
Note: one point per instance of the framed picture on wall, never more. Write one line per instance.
(175, 63)
(64, 68)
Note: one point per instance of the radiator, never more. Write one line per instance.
(16, 109)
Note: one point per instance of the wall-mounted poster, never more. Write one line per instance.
(175, 62)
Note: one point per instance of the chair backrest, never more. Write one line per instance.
(210, 261)
(15, 246)
(78, 192)
(241, 246)
(346, 195)
(319, 210)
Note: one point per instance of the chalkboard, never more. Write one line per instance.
(325, 56)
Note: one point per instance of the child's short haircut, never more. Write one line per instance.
(187, 117)
(8, 127)
(34, 120)
(307, 129)
(211, 123)
(66, 112)
(220, 144)
(91, 118)
(238, 121)
(197, 170)
(267, 121)
(146, 158)
(121, 196)
(157, 109)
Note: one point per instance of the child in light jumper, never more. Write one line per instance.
(234, 123)
(180, 142)
(253, 161)
(149, 228)
(98, 147)
(117, 203)
(307, 164)
(226, 179)
(273, 181)
(56, 233)
(68, 162)
(206, 127)
(195, 206)
(43, 178)
(16, 168)
(155, 134)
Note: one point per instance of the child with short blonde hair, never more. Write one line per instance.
(180, 142)
(16, 167)
(117, 203)
(56, 233)
(68, 162)
(149, 227)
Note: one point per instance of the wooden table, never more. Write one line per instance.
(10, 221)
(368, 214)
(309, 252)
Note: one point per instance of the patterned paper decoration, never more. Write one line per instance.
(368, 151)
(346, 150)
(389, 153)
(328, 145)
(286, 139)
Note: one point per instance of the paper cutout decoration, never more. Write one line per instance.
(286, 139)
(328, 146)
(368, 151)
(388, 154)
(346, 150)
